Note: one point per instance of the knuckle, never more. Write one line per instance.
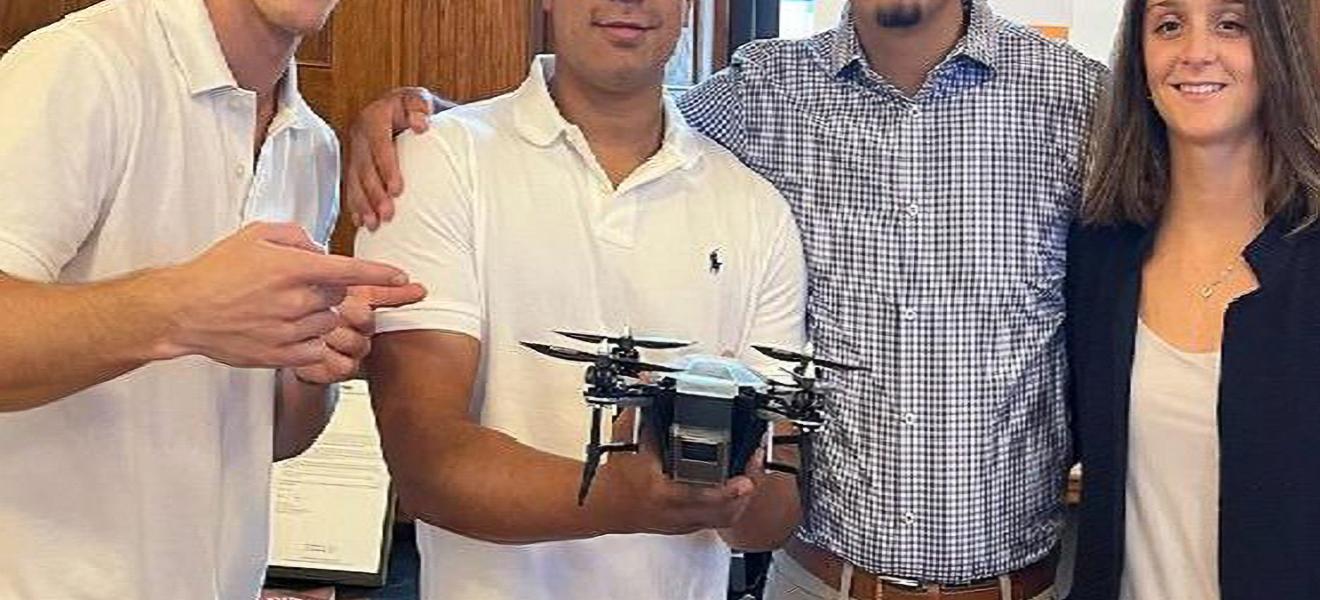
(326, 323)
(294, 305)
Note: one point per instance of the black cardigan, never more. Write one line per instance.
(1269, 411)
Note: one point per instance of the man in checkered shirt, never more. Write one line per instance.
(931, 152)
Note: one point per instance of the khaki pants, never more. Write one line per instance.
(790, 581)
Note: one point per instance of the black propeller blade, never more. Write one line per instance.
(562, 352)
(803, 383)
(638, 366)
(788, 356)
(634, 366)
(652, 343)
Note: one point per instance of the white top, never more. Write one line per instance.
(1172, 542)
(515, 229)
(126, 144)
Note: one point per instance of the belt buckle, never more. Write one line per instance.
(907, 585)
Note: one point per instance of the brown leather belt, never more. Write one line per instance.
(1027, 583)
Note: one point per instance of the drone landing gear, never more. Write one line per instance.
(596, 450)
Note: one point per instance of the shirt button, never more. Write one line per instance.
(240, 171)
(913, 209)
(909, 418)
(909, 314)
(909, 518)
(915, 111)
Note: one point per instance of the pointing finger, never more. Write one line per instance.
(346, 271)
(389, 297)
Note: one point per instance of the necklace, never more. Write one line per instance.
(1208, 290)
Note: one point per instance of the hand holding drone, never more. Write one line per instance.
(709, 414)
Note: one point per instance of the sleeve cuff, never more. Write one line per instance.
(429, 318)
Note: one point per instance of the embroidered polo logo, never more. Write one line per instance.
(715, 264)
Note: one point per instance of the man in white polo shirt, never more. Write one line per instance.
(160, 345)
(580, 201)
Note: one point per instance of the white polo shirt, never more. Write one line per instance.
(514, 227)
(126, 144)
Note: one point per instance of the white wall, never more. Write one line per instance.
(1093, 23)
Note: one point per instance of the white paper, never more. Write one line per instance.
(328, 506)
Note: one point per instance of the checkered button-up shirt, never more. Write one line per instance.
(935, 229)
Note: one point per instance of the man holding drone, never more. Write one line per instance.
(580, 201)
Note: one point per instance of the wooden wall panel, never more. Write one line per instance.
(317, 49)
(462, 49)
(470, 50)
(18, 17)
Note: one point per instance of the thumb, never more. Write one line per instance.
(388, 297)
(741, 486)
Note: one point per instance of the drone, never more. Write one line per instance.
(708, 413)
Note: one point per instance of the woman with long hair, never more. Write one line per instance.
(1194, 308)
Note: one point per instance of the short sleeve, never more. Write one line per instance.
(58, 147)
(431, 238)
(779, 318)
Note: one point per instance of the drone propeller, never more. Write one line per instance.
(804, 383)
(778, 387)
(562, 352)
(635, 366)
(803, 359)
(651, 343)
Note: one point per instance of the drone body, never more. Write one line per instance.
(709, 414)
(707, 421)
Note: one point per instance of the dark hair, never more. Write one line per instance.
(1128, 159)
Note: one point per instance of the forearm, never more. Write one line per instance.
(61, 339)
(484, 484)
(302, 411)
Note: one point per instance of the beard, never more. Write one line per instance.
(899, 17)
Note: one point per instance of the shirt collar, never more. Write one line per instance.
(539, 121)
(978, 43)
(195, 49)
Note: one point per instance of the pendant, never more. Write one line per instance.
(1207, 292)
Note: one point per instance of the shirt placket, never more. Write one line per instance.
(237, 112)
(265, 204)
(907, 408)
